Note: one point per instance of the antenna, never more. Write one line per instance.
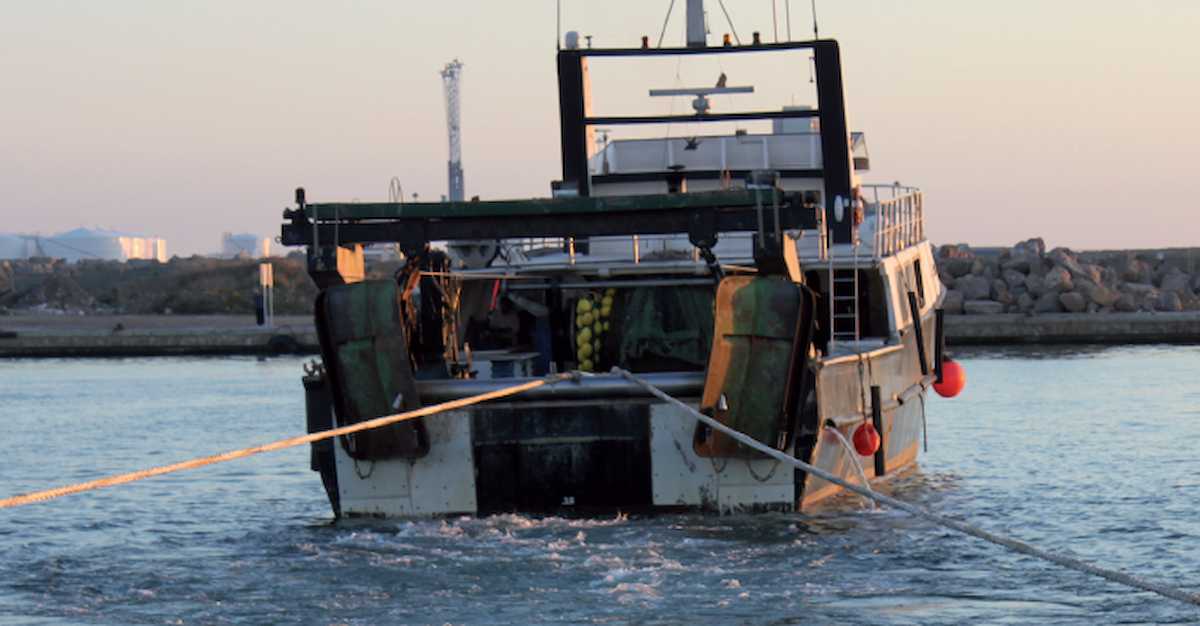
(775, 19)
(787, 12)
(816, 33)
(667, 19)
(731, 26)
(450, 78)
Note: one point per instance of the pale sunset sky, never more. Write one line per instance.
(1075, 120)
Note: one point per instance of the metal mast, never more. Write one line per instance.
(450, 76)
(697, 35)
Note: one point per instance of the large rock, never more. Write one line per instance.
(982, 307)
(946, 278)
(1013, 278)
(1163, 269)
(1022, 264)
(1131, 269)
(1000, 292)
(1085, 288)
(1035, 284)
(1104, 296)
(953, 302)
(1140, 290)
(1035, 247)
(1025, 303)
(974, 287)
(1126, 303)
(957, 266)
(1110, 277)
(955, 251)
(1094, 273)
(979, 268)
(1175, 280)
(1025, 257)
(1057, 279)
(1146, 295)
(1168, 301)
(1047, 303)
(1073, 301)
(1190, 302)
(1066, 259)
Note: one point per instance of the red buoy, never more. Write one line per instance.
(866, 439)
(954, 378)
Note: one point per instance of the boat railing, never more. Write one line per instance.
(531, 244)
(899, 217)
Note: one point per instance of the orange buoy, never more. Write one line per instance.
(954, 378)
(866, 439)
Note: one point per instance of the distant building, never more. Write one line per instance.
(245, 245)
(84, 244)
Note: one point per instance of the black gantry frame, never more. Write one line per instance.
(413, 225)
(837, 170)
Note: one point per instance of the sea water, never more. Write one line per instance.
(1091, 451)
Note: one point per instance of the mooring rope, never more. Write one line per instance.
(852, 454)
(1012, 544)
(291, 442)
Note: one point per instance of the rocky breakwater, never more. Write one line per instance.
(1029, 280)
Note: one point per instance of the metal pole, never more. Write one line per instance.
(939, 343)
(877, 421)
(918, 331)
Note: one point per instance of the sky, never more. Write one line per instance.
(1074, 120)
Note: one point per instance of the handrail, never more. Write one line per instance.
(899, 219)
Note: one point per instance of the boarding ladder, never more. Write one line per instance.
(844, 322)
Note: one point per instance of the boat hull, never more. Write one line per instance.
(599, 455)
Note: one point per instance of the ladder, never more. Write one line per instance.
(844, 323)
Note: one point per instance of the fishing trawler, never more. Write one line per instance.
(753, 275)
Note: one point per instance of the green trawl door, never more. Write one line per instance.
(365, 351)
(761, 333)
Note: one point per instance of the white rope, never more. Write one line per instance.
(852, 454)
(1012, 544)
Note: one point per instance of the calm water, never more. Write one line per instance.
(1091, 451)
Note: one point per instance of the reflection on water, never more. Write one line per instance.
(1067, 449)
(1058, 351)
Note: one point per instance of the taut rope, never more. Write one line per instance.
(1012, 544)
(120, 479)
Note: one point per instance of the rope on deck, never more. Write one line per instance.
(1015, 545)
(291, 442)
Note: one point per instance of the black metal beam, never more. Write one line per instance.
(638, 177)
(572, 110)
(563, 207)
(650, 52)
(414, 232)
(835, 140)
(619, 120)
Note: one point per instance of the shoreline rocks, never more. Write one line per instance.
(1026, 278)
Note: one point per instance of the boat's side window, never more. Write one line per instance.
(920, 280)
